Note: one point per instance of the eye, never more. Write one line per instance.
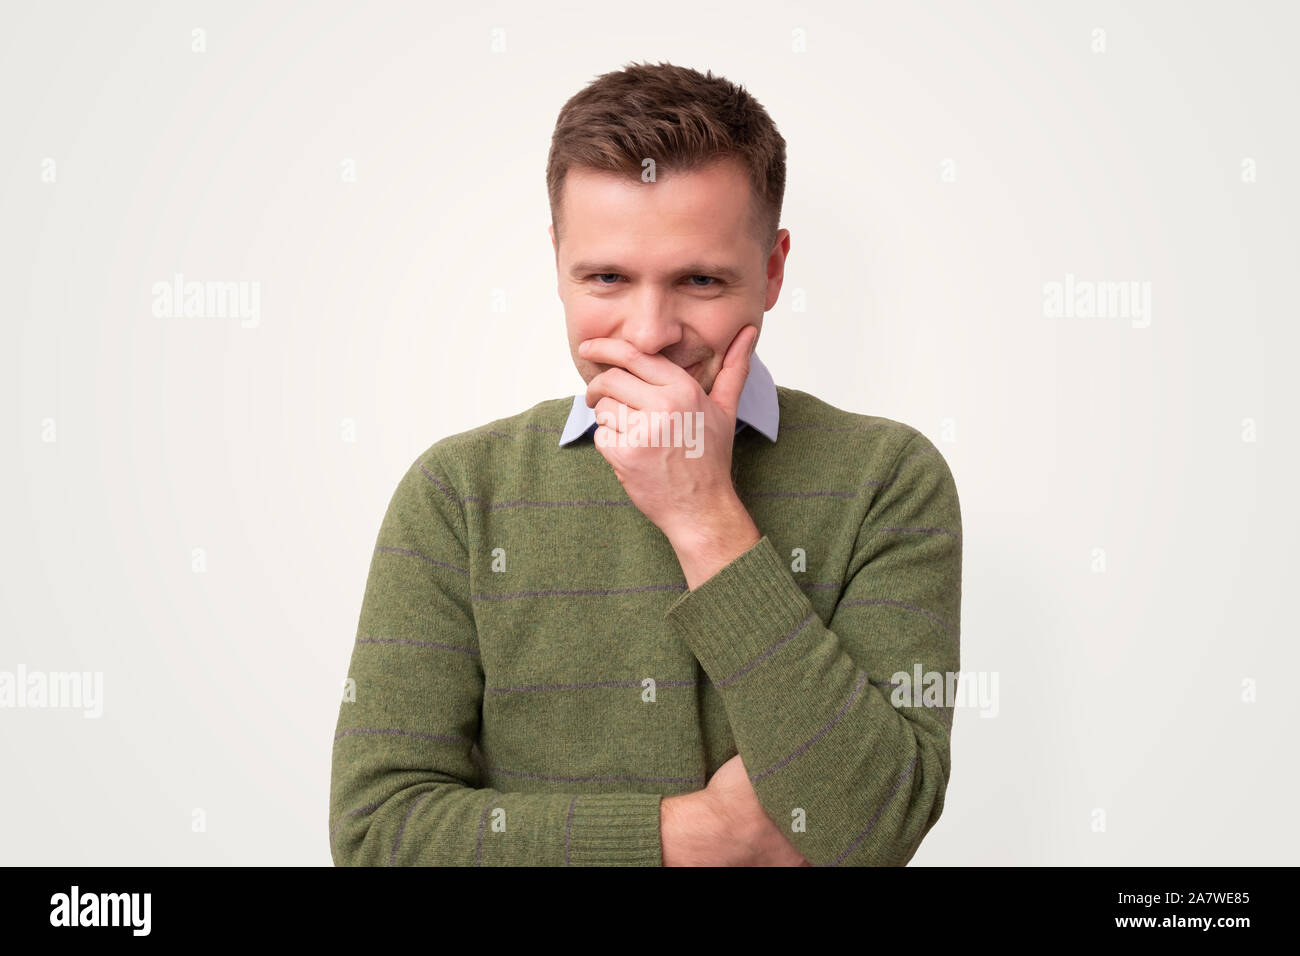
(599, 275)
(709, 278)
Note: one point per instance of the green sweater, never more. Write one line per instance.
(531, 674)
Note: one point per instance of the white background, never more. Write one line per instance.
(1120, 691)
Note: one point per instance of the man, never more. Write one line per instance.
(606, 651)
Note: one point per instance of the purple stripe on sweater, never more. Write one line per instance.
(867, 602)
(766, 654)
(577, 591)
(590, 685)
(897, 471)
(863, 835)
(597, 592)
(922, 531)
(392, 857)
(560, 504)
(416, 554)
(593, 685)
(447, 491)
(539, 776)
(839, 714)
(394, 640)
(452, 738)
(352, 813)
(799, 494)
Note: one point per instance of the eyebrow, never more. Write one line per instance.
(581, 269)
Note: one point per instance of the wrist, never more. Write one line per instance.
(708, 546)
(691, 830)
(720, 520)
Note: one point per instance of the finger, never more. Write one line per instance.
(654, 369)
(607, 412)
(730, 380)
(620, 385)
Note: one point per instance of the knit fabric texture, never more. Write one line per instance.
(531, 674)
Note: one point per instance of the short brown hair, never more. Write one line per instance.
(680, 118)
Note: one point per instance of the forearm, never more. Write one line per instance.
(403, 783)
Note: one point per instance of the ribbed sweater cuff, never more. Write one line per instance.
(740, 612)
(613, 829)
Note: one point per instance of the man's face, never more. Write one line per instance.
(670, 266)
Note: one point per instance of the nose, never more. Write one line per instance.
(649, 323)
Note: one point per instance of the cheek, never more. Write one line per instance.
(589, 321)
(720, 323)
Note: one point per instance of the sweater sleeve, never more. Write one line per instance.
(824, 735)
(404, 783)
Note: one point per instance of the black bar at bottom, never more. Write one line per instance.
(557, 907)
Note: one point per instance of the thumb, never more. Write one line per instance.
(730, 380)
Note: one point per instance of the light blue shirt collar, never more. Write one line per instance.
(757, 408)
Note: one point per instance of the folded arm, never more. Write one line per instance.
(404, 785)
(826, 741)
